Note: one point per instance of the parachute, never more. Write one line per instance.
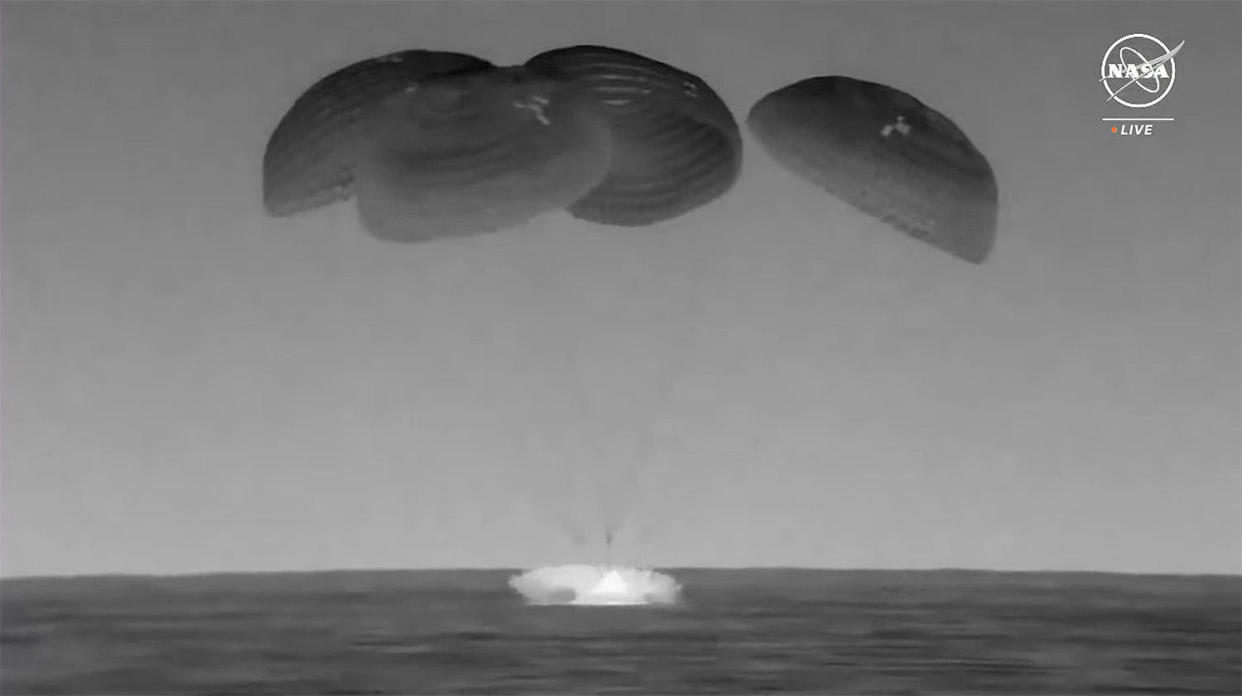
(435, 144)
(887, 154)
(476, 152)
(310, 158)
(676, 145)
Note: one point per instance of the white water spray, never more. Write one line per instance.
(588, 585)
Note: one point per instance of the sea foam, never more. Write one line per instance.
(590, 585)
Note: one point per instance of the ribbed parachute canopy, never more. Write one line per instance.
(310, 157)
(887, 154)
(676, 145)
(477, 152)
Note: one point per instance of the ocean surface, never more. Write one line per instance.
(738, 631)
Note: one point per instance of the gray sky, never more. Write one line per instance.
(190, 386)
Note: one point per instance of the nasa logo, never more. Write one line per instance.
(1138, 70)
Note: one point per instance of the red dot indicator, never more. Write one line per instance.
(1114, 129)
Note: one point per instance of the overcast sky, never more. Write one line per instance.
(191, 386)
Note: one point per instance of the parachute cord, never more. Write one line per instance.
(704, 259)
(586, 441)
(678, 349)
(561, 389)
(559, 512)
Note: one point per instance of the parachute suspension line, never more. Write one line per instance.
(703, 258)
(585, 428)
(558, 511)
(548, 368)
(574, 392)
(617, 494)
(677, 322)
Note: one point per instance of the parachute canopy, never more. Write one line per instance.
(310, 158)
(477, 152)
(435, 144)
(676, 145)
(887, 154)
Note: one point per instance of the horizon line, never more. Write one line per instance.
(516, 569)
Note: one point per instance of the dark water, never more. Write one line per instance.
(748, 631)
